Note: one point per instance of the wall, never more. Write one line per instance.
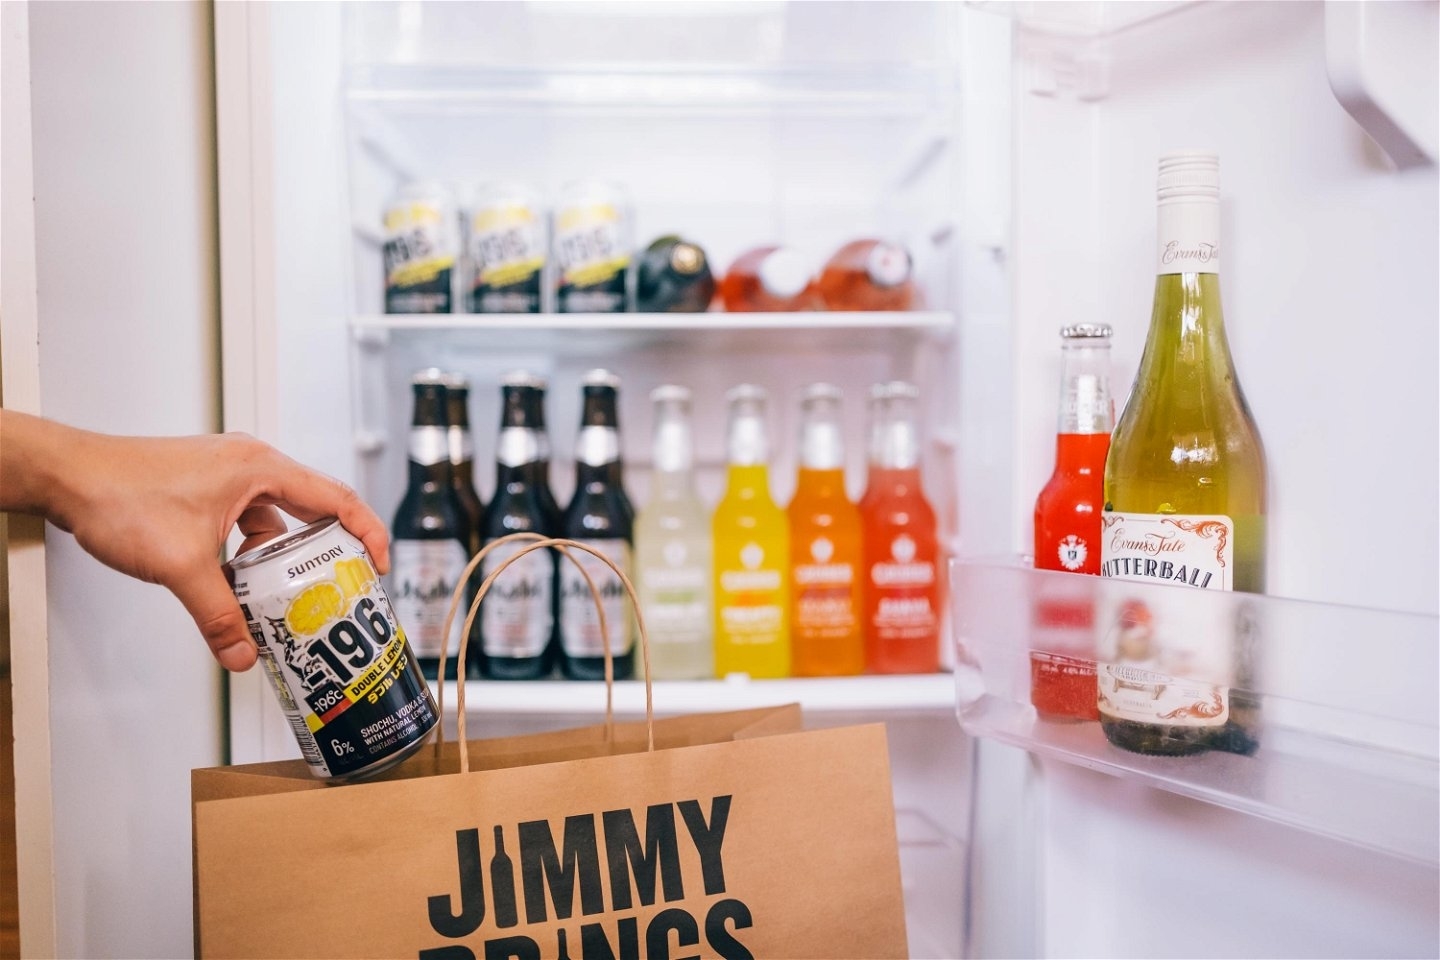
(125, 235)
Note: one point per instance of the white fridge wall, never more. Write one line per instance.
(1329, 278)
(123, 139)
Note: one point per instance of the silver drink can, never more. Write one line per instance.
(338, 660)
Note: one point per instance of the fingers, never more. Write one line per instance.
(309, 495)
(208, 599)
(259, 523)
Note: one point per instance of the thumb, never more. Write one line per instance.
(207, 597)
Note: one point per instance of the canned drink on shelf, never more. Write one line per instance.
(594, 242)
(336, 657)
(421, 248)
(507, 245)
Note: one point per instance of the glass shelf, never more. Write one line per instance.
(1347, 697)
(936, 320)
(584, 333)
(932, 694)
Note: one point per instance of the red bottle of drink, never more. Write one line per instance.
(868, 275)
(769, 279)
(1067, 529)
(901, 560)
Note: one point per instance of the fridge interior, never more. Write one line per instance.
(1013, 148)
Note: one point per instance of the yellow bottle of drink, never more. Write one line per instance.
(752, 552)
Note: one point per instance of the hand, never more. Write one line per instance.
(160, 509)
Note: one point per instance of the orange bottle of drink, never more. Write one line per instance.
(903, 590)
(868, 275)
(769, 279)
(1067, 529)
(825, 548)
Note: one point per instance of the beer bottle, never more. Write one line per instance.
(542, 437)
(600, 516)
(462, 456)
(428, 549)
(517, 615)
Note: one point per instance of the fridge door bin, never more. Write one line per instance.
(1342, 698)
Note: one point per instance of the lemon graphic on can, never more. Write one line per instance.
(314, 607)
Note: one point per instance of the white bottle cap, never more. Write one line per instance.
(1189, 175)
(784, 273)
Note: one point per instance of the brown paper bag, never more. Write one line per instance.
(716, 835)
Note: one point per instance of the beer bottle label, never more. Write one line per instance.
(424, 574)
(579, 622)
(1163, 660)
(516, 616)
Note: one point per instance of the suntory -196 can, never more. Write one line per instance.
(336, 656)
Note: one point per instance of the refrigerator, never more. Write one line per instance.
(1012, 147)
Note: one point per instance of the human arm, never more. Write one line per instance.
(160, 509)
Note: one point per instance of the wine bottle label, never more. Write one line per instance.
(517, 614)
(580, 634)
(419, 257)
(423, 576)
(675, 597)
(1189, 235)
(1162, 660)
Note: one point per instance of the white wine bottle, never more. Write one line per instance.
(1184, 500)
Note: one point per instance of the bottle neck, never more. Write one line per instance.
(674, 450)
(1086, 405)
(747, 480)
(517, 452)
(821, 445)
(429, 446)
(747, 444)
(1187, 344)
(896, 446)
(813, 482)
(1188, 236)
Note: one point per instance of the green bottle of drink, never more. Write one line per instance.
(1184, 502)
